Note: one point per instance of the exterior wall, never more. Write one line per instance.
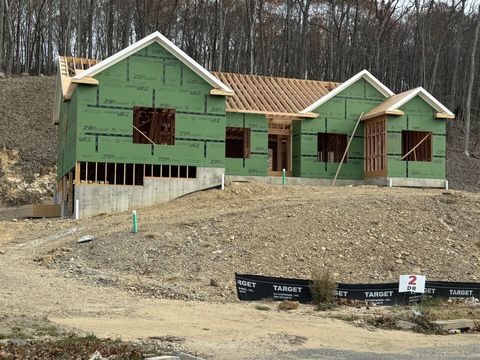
(152, 77)
(108, 199)
(418, 116)
(257, 163)
(67, 136)
(337, 115)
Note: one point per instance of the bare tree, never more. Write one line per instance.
(470, 86)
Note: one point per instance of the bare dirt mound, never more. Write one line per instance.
(26, 106)
(191, 247)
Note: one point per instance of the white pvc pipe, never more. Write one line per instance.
(446, 184)
(77, 209)
(390, 183)
(223, 181)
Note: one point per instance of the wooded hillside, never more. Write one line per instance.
(405, 43)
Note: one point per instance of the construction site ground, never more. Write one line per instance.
(174, 279)
(135, 285)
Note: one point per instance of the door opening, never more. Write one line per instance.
(278, 154)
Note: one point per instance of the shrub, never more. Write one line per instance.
(323, 290)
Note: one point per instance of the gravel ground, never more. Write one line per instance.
(461, 352)
(362, 234)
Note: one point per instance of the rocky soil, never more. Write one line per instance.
(191, 247)
(28, 140)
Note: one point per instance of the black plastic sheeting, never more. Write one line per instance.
(258, 287)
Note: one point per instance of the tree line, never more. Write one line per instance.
(405, 43)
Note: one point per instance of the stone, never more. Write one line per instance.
(97, 356)
(184, 356)
(168, 338)
(2, 75)
(24, 74)
(405, 325)
(18, 342)
(164, 357)
(86, 238)
(455, 324)
(288, 305)
(214, 283)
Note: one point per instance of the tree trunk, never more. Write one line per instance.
(221, 35)
(2, 11)
(470, 86)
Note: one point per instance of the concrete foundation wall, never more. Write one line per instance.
(408, 182)
(110, 199)
(400, 182)
(276, 180)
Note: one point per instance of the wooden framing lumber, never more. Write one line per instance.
(294, 116)
(346, 149)
(416, 146)
(272, 95)
(31, 211)
(440, 115)
(219, 92)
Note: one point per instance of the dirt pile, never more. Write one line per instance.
(361, 234)
(27, 137)
(18, 187)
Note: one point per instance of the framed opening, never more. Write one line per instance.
(416, 145)
(331, 147)
(153, 126)
(237, 143)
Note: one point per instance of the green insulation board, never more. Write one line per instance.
(337, 115)
(67, 136)
(418, 116)
(257, 163)
(151, 77)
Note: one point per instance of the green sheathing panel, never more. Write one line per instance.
(257, 163)
(418, 116)
(67, 134)
(296, 148)
(152, 77)
(337, 115)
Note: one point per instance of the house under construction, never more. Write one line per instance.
(149, 124)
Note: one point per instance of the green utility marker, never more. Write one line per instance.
(284, 176)
(134, 218)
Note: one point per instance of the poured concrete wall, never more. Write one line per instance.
(110, 199)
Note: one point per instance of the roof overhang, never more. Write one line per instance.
(365, 74)
(401, 99)
(170, 47)
(382, 113)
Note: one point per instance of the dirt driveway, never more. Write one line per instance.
(219, 331)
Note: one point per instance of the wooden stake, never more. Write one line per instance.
(346, 150)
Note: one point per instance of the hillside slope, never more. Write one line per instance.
(191, 247)
(26, 129)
